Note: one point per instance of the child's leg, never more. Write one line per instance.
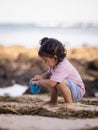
(53, 97)
(65, 91)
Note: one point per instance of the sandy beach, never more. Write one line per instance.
(23, 25)
(25, 113)
(14, 122)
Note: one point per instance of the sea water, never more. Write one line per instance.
(28, 35)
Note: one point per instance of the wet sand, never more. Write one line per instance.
(25, 113)
(16, 122)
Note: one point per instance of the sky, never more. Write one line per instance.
(24, 11)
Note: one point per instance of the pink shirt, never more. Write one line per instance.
(66, 70)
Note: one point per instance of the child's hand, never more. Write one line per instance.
(35, 82)
(37, 77)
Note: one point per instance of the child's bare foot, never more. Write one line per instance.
(50, 104)
(68, 106)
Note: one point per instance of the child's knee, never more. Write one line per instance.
(62, 84)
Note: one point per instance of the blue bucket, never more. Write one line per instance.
(35, 89)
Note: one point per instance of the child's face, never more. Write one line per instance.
(50, 61)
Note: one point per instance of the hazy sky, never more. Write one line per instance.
(48, 10)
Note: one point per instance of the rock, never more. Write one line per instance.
(93, 65)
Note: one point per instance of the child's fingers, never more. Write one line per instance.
(35, 78)
(35, 83)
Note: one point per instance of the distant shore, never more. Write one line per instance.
(85, 52)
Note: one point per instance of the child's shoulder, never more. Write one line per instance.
(65, 63)
(62, 63)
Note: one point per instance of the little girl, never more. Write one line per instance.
(61, 77)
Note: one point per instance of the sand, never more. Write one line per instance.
(14, 122)
(24, 113)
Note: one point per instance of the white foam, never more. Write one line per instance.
(13, 91)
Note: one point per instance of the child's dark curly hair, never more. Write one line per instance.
(51, 47)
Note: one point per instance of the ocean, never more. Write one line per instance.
(29, 35)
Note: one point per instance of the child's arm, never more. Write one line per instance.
(42, 76)
(45, 75)
(45, 83)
